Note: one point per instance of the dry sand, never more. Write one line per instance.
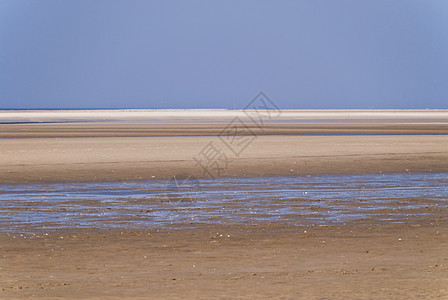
(144, 158)
(372, 261)
(148, 144)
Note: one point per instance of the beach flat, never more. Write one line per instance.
(373, 256)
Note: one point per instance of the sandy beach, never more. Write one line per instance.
(368, 259)
(348, 262)
(150, 145)
(28, 160)
(224, 150)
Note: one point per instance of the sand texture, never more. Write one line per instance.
(369, 259)
(144, 145)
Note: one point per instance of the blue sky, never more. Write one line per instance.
(220, 54)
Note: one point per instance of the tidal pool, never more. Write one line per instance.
(316, 200)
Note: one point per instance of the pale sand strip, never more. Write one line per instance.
(222, 115)
(143, 158)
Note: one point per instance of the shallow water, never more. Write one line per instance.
(299, 200)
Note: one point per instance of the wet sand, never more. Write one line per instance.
(337, 262)
(317, 200)
(354, 261)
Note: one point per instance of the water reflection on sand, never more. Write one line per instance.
(299, 200)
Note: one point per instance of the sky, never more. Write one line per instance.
(313, 54)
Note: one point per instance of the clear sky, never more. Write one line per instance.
(220, 54)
